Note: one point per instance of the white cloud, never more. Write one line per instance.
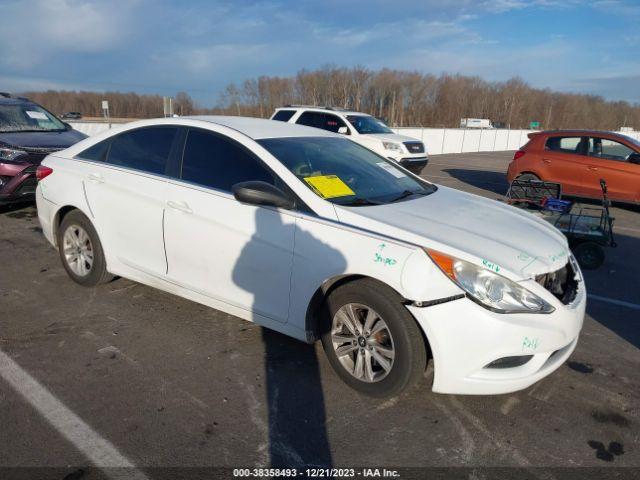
(33, 30)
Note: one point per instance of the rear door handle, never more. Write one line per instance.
(546, 160)
(180, 206)
(95, 178)
(592, 168)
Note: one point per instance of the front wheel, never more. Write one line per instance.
(371, 340)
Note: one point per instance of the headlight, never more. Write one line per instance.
(392, 146)
(489, 289)
(7, 153)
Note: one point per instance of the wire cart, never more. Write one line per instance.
(588, 228)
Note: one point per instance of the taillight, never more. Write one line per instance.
(42, 172)
(518, 154)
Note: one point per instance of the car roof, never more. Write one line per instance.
(14, 101)
(576, 132)
(259, 128)
(323, 109)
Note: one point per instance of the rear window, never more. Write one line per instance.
(145, 149)
(97, 152)
(311, 119)
(567, 144)
(283, 115)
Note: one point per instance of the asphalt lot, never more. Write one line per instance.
(169, 383)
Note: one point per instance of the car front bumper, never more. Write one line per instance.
(19, 183)
(413, 164)
(465, 338)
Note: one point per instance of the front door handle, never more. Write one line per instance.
(546, 160)
(592, 168)
(95, 178)
(180, 206)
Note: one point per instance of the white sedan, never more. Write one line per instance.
(307, 233)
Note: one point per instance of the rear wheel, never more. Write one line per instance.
(527, 177)
(371, 340)
(80, 250)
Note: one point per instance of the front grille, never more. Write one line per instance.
(414, 147)
(561, 283)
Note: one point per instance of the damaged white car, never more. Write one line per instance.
(317, 237)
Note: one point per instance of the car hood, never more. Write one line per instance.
(485, 232)
(58, 140)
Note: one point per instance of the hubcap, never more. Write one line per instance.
(78, 250)
(362, 342)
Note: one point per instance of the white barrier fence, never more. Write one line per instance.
(463, 140)
(437, 140)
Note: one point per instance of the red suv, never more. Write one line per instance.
(578, 159)
(28, 133)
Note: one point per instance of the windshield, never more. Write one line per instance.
(28, 117)
(634, 141)
(365, 124)
(344, 172)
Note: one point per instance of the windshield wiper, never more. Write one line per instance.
(31, 130)
(408, 193)
(361, 201)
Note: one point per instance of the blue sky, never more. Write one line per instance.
(200, 46)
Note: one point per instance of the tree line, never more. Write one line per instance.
(401, 98)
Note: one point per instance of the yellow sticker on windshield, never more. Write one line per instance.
(329, 186)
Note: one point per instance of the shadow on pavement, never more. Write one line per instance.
(296, 407)
(490, 181)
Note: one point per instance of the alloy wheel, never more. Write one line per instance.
(362, 342)
(78, 250)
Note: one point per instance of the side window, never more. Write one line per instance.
(332, 123)
(211, 160)
(609, 149)
(575, 145)
(145, 149)
(311, 119)
(97, 152)
(283, 115)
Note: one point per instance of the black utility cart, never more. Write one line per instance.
(589, 228)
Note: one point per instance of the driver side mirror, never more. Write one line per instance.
(343, 130)
(261, 193)
(634, 158)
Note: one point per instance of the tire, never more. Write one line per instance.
(401, 336)
(527, 177)
(81, 251)
(530, 193)
(589, 255)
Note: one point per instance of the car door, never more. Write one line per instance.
(125, 194)
(608, 160)
(235, 253)
(564, 160)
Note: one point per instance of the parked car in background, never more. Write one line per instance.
(71, 116)
(28, 133)
(307, 233)
(475, 123)
(578, 159)
(364, 129)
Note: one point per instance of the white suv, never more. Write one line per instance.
(364, 129)
(307, 233)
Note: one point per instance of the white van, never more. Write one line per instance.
(307, 233)
(364, 129)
